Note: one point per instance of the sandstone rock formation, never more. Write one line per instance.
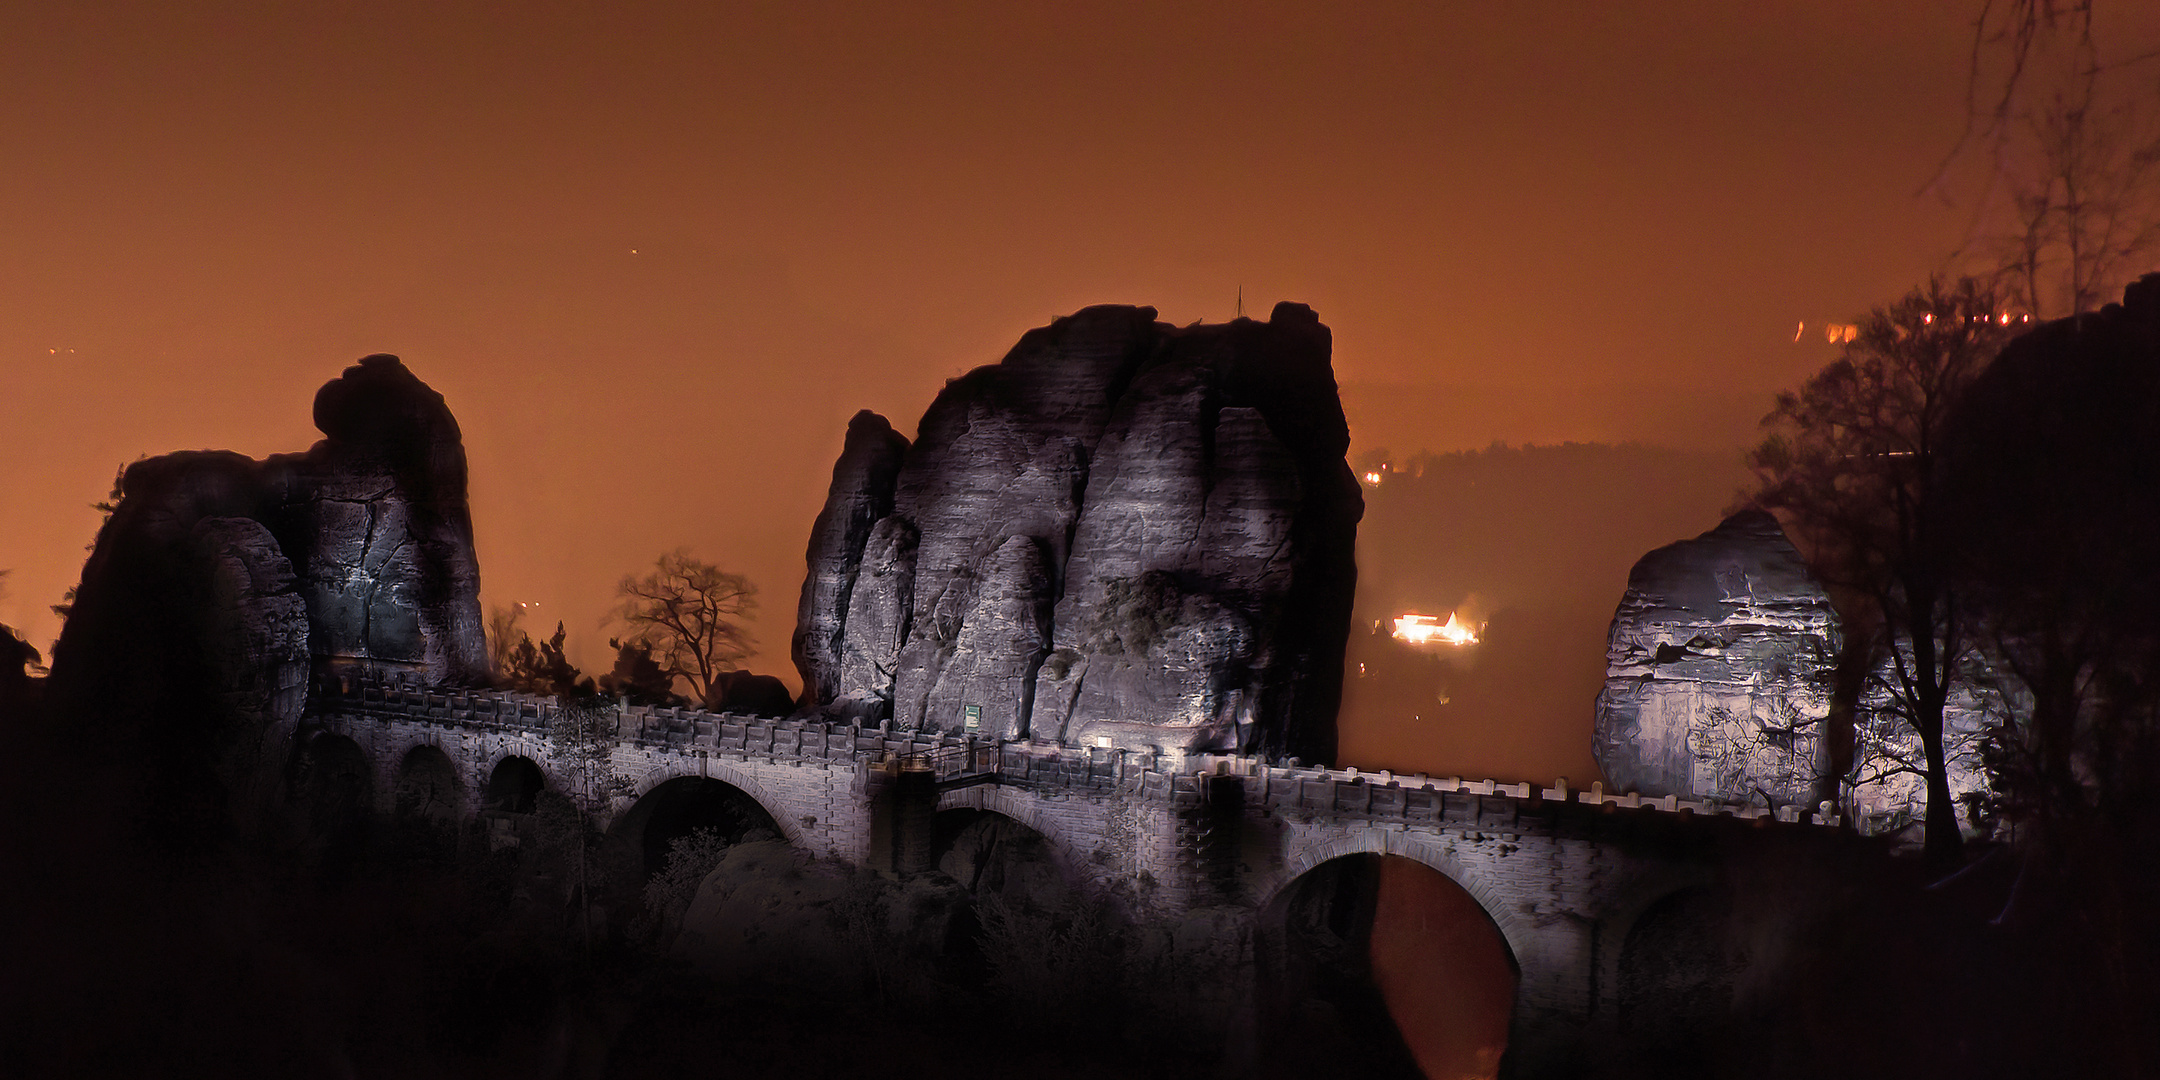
(1124, 531)
(254, 635)
(1721, 681)
(1720, 669)
(221, 584)
(862, 494)
(376, 521)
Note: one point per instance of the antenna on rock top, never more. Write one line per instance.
(1241, 301)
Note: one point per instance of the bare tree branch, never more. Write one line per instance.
(690, 614)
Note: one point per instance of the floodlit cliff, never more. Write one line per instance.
(1719, 671)
(1720, 677)
(1125, 533)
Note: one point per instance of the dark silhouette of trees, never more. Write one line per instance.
(543, 668)
(2051, 507)
(1849, 464)
(18, 661)
(637, 678)
(504, 628)
(105, 508)
(2049, 510)
(689, 616)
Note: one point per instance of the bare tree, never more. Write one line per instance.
(2070, 207)
(1849, 464)
(690, 614)
(504, 629)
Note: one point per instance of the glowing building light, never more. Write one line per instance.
(1372, 478)
(1428, 629)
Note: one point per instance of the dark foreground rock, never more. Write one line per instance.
(1124, 533)
(220, 586)
(751, 694)
(376, 521)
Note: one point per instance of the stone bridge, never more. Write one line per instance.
(1564, 875)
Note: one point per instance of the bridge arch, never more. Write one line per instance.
(1022, 808)
(428, 785)
(332, 785)
(1677, 966)
(1369, 959)
(1515, 933)
(677, 808)
(514, 784)
(1640, 894)
(741, 780)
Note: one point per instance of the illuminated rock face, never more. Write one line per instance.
(1719, 671)
(376, 522)
(862, 494)
(1124, 531)
(1887, 789)
(220, 585)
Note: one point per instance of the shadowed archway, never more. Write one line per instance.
(679, 807)
(334, 791)
(428, 786)
(1381, 965)
(514, 786)
(1678, 967)
(990, 854)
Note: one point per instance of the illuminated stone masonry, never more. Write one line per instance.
(1562, 873)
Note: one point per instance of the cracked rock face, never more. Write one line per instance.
(376, 520)
(1719, 671)
(861, 496)
(248, 574)
(1124, 531)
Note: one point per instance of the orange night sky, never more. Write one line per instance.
(655, 255)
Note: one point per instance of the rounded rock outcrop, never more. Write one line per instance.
(1720, 667)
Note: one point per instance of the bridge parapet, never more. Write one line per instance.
(1170, 777)
(1385, 795)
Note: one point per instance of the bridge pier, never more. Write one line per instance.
(911, 798)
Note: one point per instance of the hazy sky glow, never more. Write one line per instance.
(655, 255)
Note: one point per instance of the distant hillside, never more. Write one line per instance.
(1536, 539)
